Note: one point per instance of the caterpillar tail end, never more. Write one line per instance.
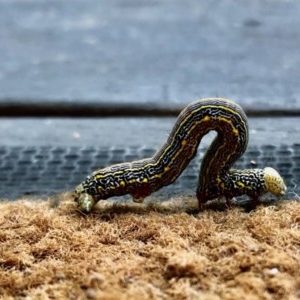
(274, 182)
(85, 201)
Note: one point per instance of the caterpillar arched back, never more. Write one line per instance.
(216, 178)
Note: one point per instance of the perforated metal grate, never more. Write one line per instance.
(40, 171)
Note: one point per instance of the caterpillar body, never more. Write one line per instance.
(216, 177)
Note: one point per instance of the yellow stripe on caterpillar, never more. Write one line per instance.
(216, 178)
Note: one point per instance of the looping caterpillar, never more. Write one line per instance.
(216, 178)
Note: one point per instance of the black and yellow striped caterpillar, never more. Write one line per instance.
(216, 179)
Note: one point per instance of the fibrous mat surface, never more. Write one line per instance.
(153, 251)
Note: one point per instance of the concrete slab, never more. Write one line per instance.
(140, 51)
(128, 132)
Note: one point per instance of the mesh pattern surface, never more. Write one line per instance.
(42, 171)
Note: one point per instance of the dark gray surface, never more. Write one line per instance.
(138, 50)
(128, 132)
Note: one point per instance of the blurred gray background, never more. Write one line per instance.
(150, 50)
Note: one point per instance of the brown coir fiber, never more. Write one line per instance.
(163, 251)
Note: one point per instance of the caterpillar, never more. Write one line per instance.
(216, 177)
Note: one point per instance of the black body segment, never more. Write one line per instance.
(216, 179)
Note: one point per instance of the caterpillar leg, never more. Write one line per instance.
(140, 194)
(84, 200)
(201, 201)
(200, 205)
(138, 200)
(256, 200)
(228, 202)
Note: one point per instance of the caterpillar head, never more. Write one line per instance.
(84, 200)
(274, 182)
